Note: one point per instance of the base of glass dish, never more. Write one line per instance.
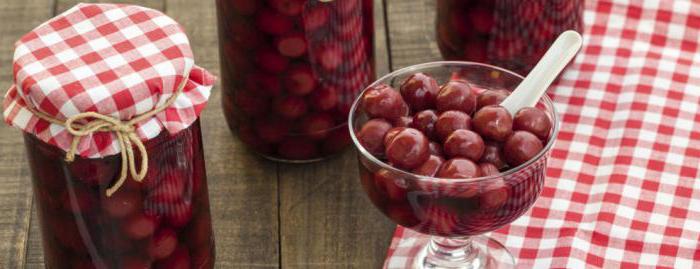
(482, 252)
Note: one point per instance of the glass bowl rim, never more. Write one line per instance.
(417, 68)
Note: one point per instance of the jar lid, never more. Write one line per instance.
(97, 70)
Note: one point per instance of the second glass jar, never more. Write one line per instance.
(290, 71)
(513, 34)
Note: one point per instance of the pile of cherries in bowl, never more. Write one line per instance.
(443, 154)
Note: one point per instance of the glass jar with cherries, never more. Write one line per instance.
(512, 34)
(113, 139)
(290, 70)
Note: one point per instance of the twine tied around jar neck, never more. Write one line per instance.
(124, 130)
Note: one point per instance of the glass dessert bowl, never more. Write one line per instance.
(439, 156)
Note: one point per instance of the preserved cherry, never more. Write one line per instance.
(491, 97)
(492, 154)
(404, 121)
(408, 149)
(425, 122)
(495, 195)
(521, 147)
(429, 167)
(465, 144)
(450, 121)
(459, 168)
(419, 91)
(456, 95)
(488, 169)
(372, 134)
(384, 102)
(317, 126)
(532, 120)
(389, 185)
(493, 122)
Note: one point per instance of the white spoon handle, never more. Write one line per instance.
(547, 69)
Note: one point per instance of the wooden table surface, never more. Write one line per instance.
(265, 214)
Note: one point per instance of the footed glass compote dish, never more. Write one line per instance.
(439, 156)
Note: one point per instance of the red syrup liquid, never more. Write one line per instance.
(290, 70)
(163, 222)
(452, 207)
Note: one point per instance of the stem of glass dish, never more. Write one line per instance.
(457, 252)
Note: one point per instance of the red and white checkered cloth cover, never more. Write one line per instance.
(116, 60)
(622, 188)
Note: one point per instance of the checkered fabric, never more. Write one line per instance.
(622, 187)
(116, 60)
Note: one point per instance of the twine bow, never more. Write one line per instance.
(124, 130)
(126, 136)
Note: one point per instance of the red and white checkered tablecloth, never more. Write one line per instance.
(623, 184)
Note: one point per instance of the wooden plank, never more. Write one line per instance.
(381, 39)
(16, 194)
(326, 220)
(242, 186)
(411, 25)
(34, 259)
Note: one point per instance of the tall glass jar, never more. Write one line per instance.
(290, 70)
(163, 222)
(108, 97)
(513, 34)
